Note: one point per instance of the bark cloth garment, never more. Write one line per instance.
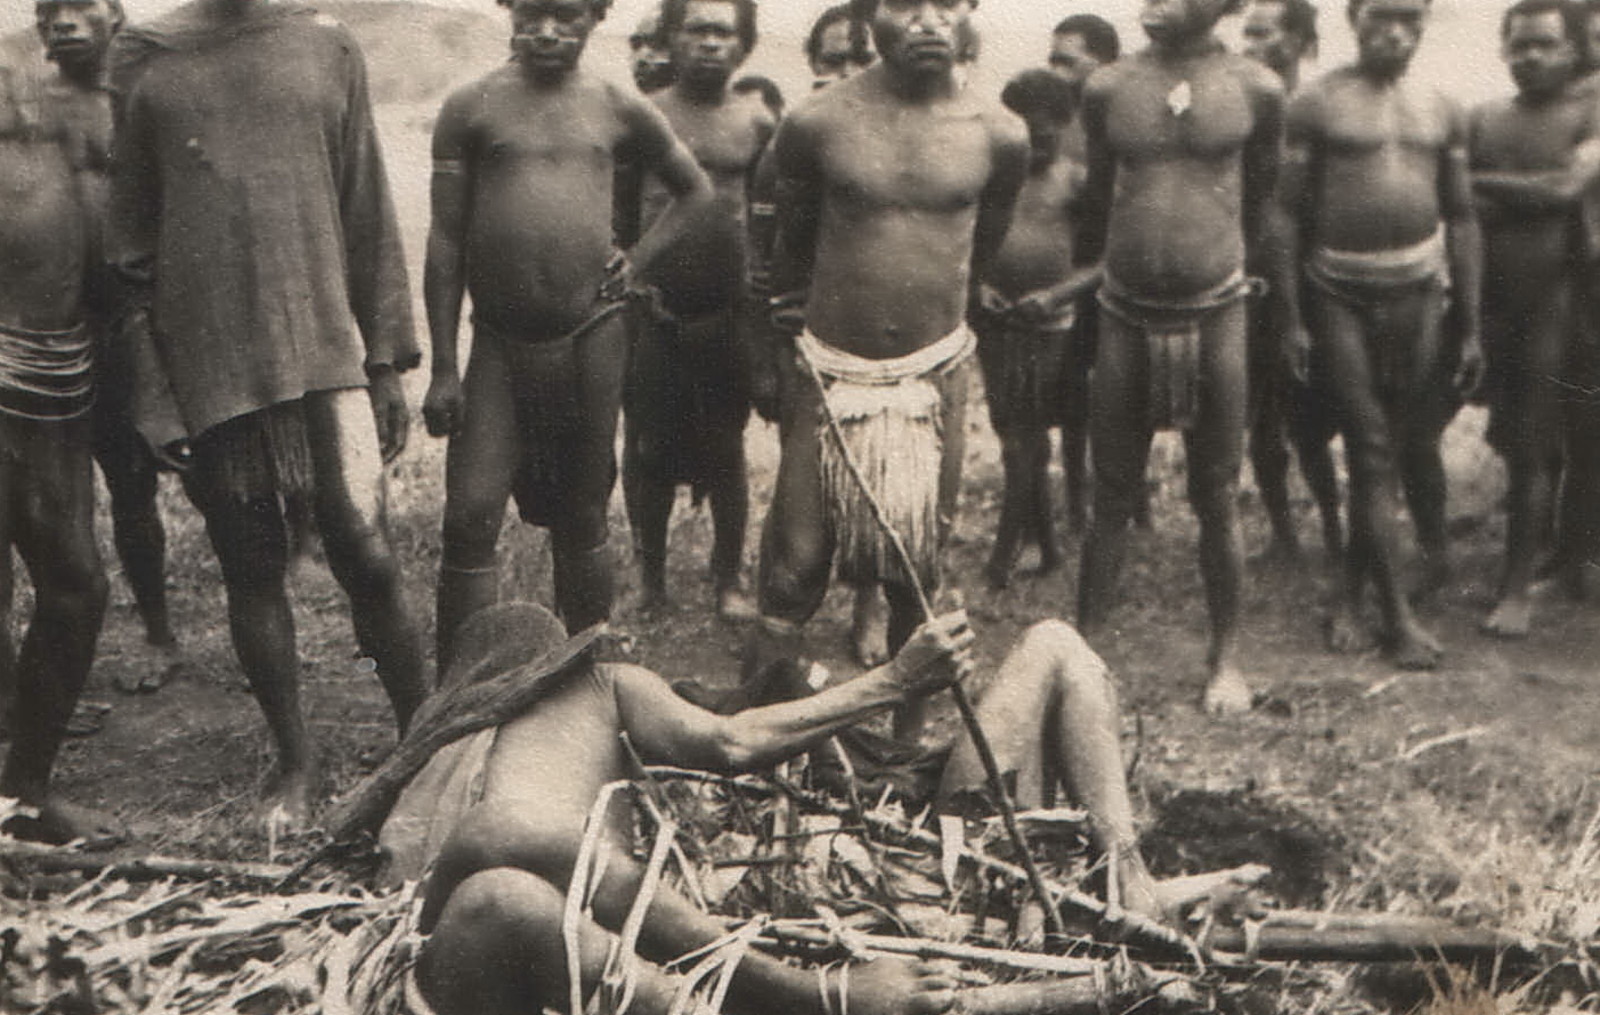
(1026, 368)
(889, 414)
(1368, 282)
(1172, 333)
(251, 212)
(688, 386)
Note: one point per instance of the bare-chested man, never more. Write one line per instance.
(1377, 189)
(652, 64)
(687, 398)
(895, 188)
(1026, 318)
(1183, 154)
(1280, 35)
(252, 220)
(496, 895)
(522, 220)
(838, 47)
(55, 132)
(1532, 278)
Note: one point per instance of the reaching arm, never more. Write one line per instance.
(650, 144)
(666, 729)
(444, 274)
(1465, 250)
(1551, 190)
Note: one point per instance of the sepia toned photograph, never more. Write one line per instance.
(890, 507)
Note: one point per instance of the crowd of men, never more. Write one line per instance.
(200, 270)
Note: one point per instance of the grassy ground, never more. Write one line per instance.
(1465, 791)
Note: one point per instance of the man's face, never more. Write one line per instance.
(1388, 33)
(1171, 22)
(1266, 41)
(1070, 58)
(75, 31)
(833, 61)
(1044, 136)
(921, 36)
(1591, 41)
(706, 48)
(1539, 54)
(548, 36)
(652, 65)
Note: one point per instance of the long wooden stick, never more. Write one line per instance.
(969, 718)
(56, 860)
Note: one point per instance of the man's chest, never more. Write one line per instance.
(931, 166)
(1206, 114)
(726, 142)
(1358, 122)
(1519, 138)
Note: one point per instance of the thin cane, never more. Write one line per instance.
(991, 768)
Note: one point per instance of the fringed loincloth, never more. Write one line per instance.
(1172, 332)
(687, 390)
(46, 375)
(889, 417)
(1026, 369)
(261, 455)
(1368, 282)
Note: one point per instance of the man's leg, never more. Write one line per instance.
(1374, 542)
(479, 466)
(352, 514)
(1311, 429)
(1051, 713)
(1420, 420)
(8, 587)
(1120, 442)
(1017, 499)
(53, 505)
(132, 478)
(729, 483)
(581, 559)
(648, 491)
(1269, 452)
(1075, 418)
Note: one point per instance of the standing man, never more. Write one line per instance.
(1280, 35)
(1533, 281)
(652, 64)
(895, 189)
(55, 133)
(1378, 194)
(1183, 155)
(252, 218)
(687, 400)
(523, 163)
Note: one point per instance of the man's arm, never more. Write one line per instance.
(1465, 243)
(444, 274)
(1286, 218)
(1260, 163)
(1009, 167)
(1099, 187)
(668, 730)
(650, 144)
(798, 197)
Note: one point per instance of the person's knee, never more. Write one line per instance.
(1213, 490)
(794, 575)
(470, 531)
(73, 585)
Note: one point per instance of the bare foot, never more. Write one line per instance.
(869, 627)
(1413, 648)
(887, 986)
(734, 604)
(1345, 634)
(1436, 575)
(286, 804)
(60, 821)
(1228, 693)
(1512, 617)
(653, 600)
(1138, 891)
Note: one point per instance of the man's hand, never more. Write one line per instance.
(1469, 374)
(1036, 307)
(389, 410)
(938, 654)
(1297, 354)
(441, 407)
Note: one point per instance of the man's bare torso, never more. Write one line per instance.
(540, 161)
(1378, 152)
(1522, 246)
(1176, 130)
(901, 185)
(1038, 249)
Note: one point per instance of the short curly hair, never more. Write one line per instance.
(673, 13)
(599, 7)
(1038, 91)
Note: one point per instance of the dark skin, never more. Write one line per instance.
(1032, 281)
(53, 144)
(1176, 200)
(703, 273)
(895, 190)
(1376, 162)
(1281, 406)
(522, 220)
(1520, 150)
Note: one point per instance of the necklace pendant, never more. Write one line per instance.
(1180, 98)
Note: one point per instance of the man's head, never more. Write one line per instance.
(1591, 35)
(1175, 23)
(708, 39)
(1280, 33)
(921, 38)
(1080, 44)
(76, 33)
(1047, 102)
(548, 36)
(1387, 34)
(1540, 41)
(838, 46)
(652, 64)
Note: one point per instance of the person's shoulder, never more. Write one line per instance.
(1109, 77)
(1005, 127)
(1255, 76)
(470, 97)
